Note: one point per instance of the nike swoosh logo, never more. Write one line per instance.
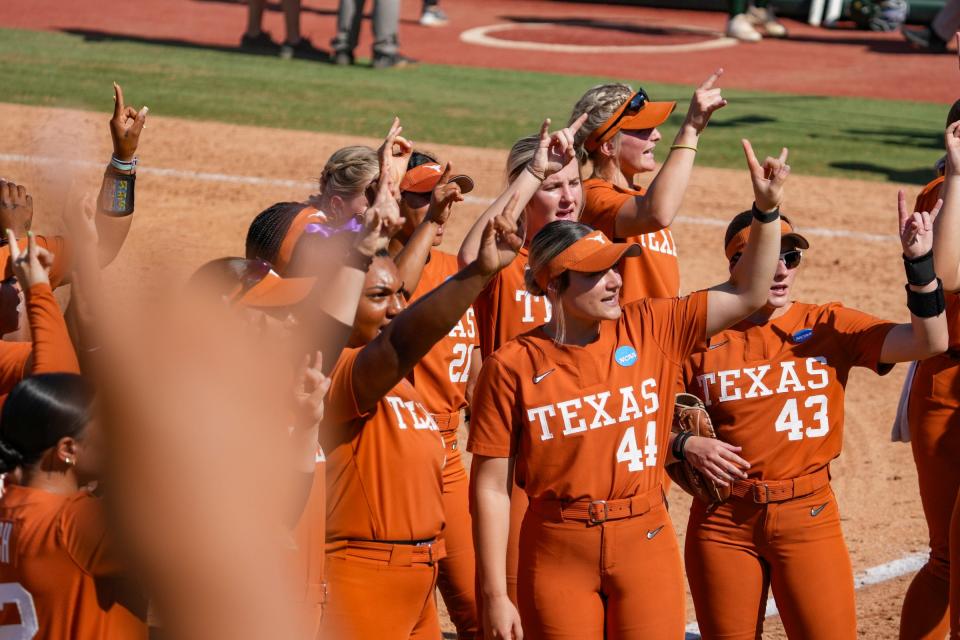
(537, 379)
(718, 345)
(816, 510)
(653, 532)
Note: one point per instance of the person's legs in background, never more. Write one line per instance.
(762, 17)
(432, 15)
(386, 21)
(935, 37)
(349, 15)
(255, 38)
(739, 25)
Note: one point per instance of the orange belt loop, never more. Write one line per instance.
(763, 492)
(597, 511)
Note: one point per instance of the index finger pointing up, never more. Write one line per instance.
(118, 105)
(578, 123)
(751, 157)
(712, 80)
(783, 155)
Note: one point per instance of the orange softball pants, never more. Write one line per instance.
(736, 553)
(621, 579)
(934, 418)
(457, 575)
(374, 593)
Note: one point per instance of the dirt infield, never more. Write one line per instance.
(812, 61)
(185, 218)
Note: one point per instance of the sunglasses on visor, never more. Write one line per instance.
(634, 105)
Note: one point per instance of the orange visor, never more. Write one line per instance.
(424, 178)
(274, 291)
(635, 114)
(590, 254)
(306, 216)
(739, 240)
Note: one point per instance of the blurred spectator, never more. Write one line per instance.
(747, 22)
(433, 15)
(386, 18)
(935, 37)
(258, 40)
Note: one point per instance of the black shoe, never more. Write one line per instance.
(260, 43)
(925, 38)
(388, 60)
(303, 49)
(343, 58)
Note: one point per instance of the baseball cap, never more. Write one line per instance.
(738, 232)
(591, 253)
(639, 112)
(423, 178)
(308, 215)
(274, 291)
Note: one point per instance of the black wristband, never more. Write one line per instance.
(920, 271)
(678, 445)
(763, 217)
(926, 305)
(116, 196)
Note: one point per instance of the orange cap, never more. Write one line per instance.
(423, 178)
(274, 291)
(591, 253)
(739, 239)
(650, 115)
(306, 216)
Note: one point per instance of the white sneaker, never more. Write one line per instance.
(766, 20)
(739, 27)
(433, 17)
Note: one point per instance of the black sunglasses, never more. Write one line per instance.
(634, 105)
(790, 259)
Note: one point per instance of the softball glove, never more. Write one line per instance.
(689, 415)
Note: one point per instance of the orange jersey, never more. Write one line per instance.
(309, 537)
(57, 245)
(927, 198)
(777, 389)
(594, 421)
(656, 273)
(506, 309)
(441, 376)
(383, 467)
(51, 348)
(59, 570)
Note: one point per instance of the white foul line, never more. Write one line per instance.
(204, 176)
(874, 575)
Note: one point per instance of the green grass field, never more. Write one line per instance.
(843, 137)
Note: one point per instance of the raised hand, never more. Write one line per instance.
(768, 178)
(381, 220)
(16, 207)
(556, 150)
(125, 126)
(952, 143)
(916, 229)
(312, 386)
(445, 195)
(706, 100)
(31, 266)
(394, 156)
(500, 242)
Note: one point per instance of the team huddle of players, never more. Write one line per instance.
(559, 330)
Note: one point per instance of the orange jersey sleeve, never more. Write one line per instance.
(384, 467)
(655, 273)
(52, 349)
(441, 376)
(592, 421)
(57, 245)
(928, 196)
(83, 533)
(505, 309)
(777, 389)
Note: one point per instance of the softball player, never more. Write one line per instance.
(578, 414)
(932, 603)
(385, 456)
(506, 308)
(619, 137)
(774, 388)
(58, 565)
(427, 195)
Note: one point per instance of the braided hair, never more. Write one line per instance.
(600, 102)
(269, 228)
(38, 413)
